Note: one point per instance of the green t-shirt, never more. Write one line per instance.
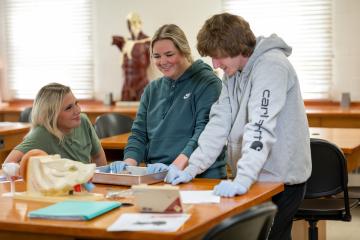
(79, 145)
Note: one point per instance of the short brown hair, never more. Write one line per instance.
(226, 35)
(173, 33)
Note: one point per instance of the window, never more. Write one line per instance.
(306, 25)
(49, 41)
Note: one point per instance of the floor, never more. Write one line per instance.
(337, 230)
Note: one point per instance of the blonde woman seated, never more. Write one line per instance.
(59, 127)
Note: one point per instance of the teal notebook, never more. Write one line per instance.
(74, 210)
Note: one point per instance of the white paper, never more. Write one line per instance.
(197, 197)
(149, 222)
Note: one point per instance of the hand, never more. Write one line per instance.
(156, 168)
(178, 176)
(114, 167)
(229, 189)
(173, 173)
(117, 166)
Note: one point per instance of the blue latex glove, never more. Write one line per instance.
(173, 173)
(114, 167)
(117, 166)
(156, 167)
(182, 177)
(229, 189)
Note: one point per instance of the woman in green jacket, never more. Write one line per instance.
(174, 109)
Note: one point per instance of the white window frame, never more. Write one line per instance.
(48, 41)
(306, 25)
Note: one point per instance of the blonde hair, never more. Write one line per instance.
(47, 106)
(173, 33)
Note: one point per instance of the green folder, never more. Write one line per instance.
(74, 210)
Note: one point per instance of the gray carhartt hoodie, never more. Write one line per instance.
(260, 115)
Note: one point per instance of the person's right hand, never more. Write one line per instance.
(228, 188)
(173, 173)
(114, 167)
(184, 177)
(156, 168)
(117, 166)
(176, 176)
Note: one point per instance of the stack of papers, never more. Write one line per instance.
(74, 210)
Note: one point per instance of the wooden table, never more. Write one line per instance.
(333, 116)
(11, 134)
(348, 139)
(15, 224)
(320, 114)
(115, 142)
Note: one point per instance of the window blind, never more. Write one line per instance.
(49, 41)
(306, 25)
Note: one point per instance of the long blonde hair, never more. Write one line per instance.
(47, 106)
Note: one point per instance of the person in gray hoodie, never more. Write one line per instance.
(259, 115)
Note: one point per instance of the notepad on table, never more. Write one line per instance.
(74, 210)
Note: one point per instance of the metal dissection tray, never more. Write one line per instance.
(132, 176)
